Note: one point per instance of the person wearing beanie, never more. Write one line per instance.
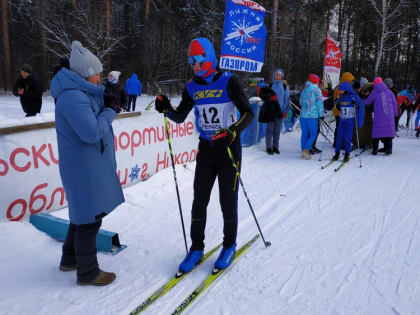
(313, 78)
(29, 89)
(114, 92)
(351, 111)
(384, 113)
(377, 80)
(363, 81)
(87, 162)
(215, 96)
(133, 89)
(311, 100)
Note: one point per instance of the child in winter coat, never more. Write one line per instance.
(215, 96)
(348, 103)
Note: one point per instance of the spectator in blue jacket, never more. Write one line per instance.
(312, 104)
(87, 161)
(133, 89)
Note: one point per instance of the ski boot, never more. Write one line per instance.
(316, 150)
(193, 258)
(225, 258)
(270, 151)
(336, 156)
(346, 157)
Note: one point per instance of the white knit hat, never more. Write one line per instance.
(115, 74)
(83, 62)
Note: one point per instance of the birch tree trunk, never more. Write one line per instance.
(108, 6)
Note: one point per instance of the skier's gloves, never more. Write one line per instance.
(162, 104)
(322, 118)
(223, 137)
(109, 102)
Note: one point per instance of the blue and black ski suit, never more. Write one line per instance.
(347, 104)
(215, 106)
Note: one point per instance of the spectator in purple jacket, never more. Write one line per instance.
(384, 110)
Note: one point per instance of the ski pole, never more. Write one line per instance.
(328, 126)
(325, 141)
(266, 243)
(176, 182)
(357, 133)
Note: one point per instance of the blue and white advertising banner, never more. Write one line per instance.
(243, 36)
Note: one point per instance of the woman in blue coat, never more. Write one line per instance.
(272, 135)
(86, 161)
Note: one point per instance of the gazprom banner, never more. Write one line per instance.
(243, 36)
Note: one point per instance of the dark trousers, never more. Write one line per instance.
(80, 248)
(387, 144)
(214, 162)
(403, 109)
(131, 100)
(337, 119)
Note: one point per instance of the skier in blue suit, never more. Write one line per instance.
(215, 96)
(352, 110)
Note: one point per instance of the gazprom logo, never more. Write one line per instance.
(235, 63)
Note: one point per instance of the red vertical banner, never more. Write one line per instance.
(332, 61)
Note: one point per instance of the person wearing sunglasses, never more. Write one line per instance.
(215, 96)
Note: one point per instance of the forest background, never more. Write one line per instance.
(151, 37)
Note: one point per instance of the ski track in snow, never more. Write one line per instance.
(343, 242)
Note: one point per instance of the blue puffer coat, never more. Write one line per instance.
(311, 101)
(85, 148)
(133, 85)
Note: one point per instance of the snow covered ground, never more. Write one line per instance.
(342, 243)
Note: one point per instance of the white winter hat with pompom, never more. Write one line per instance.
(83, 62)
(115, 74)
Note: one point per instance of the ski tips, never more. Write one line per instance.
(215, 270)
